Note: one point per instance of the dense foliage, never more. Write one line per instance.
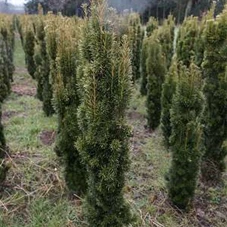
(29, 49)
(156, 70)
(66, 101)
(157, 53)
(186, 136)
(168, 91)
(135, 34)
(104, 140)
(85, 69)
(215, 90)
(6, 76)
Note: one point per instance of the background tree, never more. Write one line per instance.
(42, 74)
(220, 4)
(135, 34)
(151, 26)
(166, 38)
(29, 49)
(159, 9)
(156, 70)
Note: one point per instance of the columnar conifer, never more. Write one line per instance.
(42, 74)
(186, 136)
(136, 39)
(215, 90)
(3, 95)
(3, 167)
(189, 34)
(166, 37)
(7, 36)
(29, 49)
(151, 26)
(143, 86)
(66, 102)
(6, 72)
(104, 140)
(168, 91)
(156, 70)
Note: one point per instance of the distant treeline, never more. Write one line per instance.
(10, 9)
(159, 9)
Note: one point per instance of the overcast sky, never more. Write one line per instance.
(17, 2)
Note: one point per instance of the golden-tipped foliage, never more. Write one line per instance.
(66, 100)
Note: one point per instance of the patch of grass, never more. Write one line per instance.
(35, 192)
(19, 56)
(23, 129)
(137, 102)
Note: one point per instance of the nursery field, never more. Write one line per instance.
(35, 195)
(108, 121)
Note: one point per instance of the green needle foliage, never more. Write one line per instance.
(7, 32)
(52, 24)
(166, 39)
(186, 138)
(6, 75)
(2, 137)
(136, 39)
(143, 87)
(190, 43)
(29, 49)
(151, 25)
(164, 36)
(215, 91)
(66, 102)
(6, 49)
(3, 165)
(104, 140)
(39, 53)
(156, 70)
(42, 74)
(168, 91)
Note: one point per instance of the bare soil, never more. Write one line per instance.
(47, 137)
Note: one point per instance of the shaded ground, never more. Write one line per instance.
(47, 137)
(24, 90)
(23, 85)
(8, 114)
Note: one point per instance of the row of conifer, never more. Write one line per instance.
(84, 75)
(183, 75)
(83, 69)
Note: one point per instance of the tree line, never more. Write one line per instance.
(146, 8)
